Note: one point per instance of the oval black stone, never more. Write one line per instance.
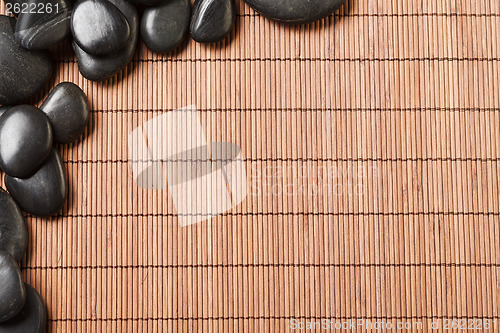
(12, 290)
(32, 318)
(25, 140)
(165, 26)
(44, 193)
(23, 73)
(43, 29)
(97, 68)
(68, 109)
(13, 230)
(212, 20)
(99, 27)
(295, 11)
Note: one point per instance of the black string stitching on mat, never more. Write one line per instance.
(319, 110)
(341, 15)
(278, 214)
(411, 15)
(274, 318)
(270, 265)
(295, 159)
(176, 60)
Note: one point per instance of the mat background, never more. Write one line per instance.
(402, 96)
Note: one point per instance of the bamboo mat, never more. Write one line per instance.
(371, 141)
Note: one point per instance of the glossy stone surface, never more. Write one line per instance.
(32, 318)
(23, 73)
(68, 109)
(44, 193)
(12, 290)
(98, 68)
(13, 230)
(212, 20)
(41, 30)
(25, 140)
(295, 11)
(99, 27)
(165, 26)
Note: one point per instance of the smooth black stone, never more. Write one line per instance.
(23, 73)
(212, 20)
(12, 290)
(295, 11)
(41, 30)
(164, 27)
(147, 2)
(32, 318)
(13, 230)
(97, 68)
(44, 193)
(99, 27)
(25, 140)
(68, 110)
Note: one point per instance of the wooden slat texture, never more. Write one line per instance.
(372, 146)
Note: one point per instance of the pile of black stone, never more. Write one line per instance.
(34, 173)
(36, 180)
(105, 32)
(21, 307)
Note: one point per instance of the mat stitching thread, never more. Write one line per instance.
(320, 214)
(272, 265)
(341, 15)
(321, 110)
(362, 160)
(272, 318)
(172, 60)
